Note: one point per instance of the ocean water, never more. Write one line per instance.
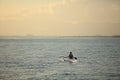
(37, 58)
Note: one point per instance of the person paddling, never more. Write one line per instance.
(70, 58)
(71, 55)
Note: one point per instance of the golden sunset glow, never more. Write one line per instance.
(59, 17)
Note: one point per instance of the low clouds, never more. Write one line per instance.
(73, 22)
(13, 12)
(83, 11)
(56, 17)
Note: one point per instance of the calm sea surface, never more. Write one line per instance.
(37, 58)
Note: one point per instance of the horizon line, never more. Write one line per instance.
(59, 36)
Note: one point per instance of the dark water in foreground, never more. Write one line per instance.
(37, 58)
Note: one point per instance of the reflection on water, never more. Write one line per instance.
(37, 58)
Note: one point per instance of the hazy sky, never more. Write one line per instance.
(59, 17)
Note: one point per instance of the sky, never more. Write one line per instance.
(59, 17)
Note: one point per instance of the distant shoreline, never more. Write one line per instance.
(114, 36)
